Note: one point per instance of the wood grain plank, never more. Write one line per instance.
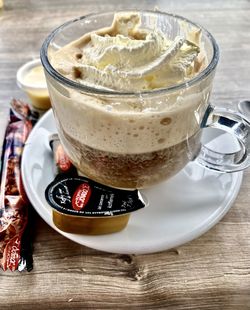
(211, 272)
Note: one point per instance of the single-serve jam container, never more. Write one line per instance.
(82, 206)
(31, 79)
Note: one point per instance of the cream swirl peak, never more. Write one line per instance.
(124, 57)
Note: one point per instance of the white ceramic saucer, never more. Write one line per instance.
(179, 210)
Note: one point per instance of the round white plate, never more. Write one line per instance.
(179, 210)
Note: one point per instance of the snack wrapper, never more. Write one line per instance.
(15, 250)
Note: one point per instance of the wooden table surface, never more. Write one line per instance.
(211, 272)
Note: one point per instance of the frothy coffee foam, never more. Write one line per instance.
(124, 125)
(106, 128)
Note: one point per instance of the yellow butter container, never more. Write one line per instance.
(31, 79)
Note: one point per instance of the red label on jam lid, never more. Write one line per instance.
(81, 196)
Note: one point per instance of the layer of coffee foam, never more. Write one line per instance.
(113, 128)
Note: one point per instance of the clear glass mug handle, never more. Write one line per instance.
(235, 124)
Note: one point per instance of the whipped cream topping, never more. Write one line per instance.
(127, 58)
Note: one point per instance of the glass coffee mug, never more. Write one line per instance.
(134, 140)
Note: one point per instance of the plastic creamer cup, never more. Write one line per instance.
(82, 206)
(31, 79)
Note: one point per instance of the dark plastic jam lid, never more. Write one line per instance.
(81, 196)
